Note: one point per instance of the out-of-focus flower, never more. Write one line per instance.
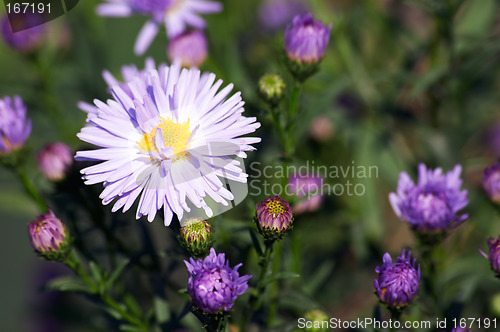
(49, 236)
(15, 128)
(213, 285)
(197, 237)
(317, 317)
(275, 14)
(190, 48)
(175, 14)
(54, 160)
(493, 254)
(271, 88)
(274, 218)
(461, 329)
(432, 205)
(167, 138)
(321, 129)
(397, 283)
(491, 182)
(308, 190)
(305, 40)
(25, 40)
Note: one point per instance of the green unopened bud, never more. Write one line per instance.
(271, 88)
(319, 321)
(197, 237)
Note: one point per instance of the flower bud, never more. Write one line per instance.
(491, 182)
(15, 128)
(49, 236)
(321, 129)
(317, 317)
(271, 88)
(197, 237)
(494, 254)
(54, 161)
(29, 32)
(274, 218)
(190, 48)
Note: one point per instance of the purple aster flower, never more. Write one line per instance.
(305, 40)
(190, 48)
(25, 40)
(49, 236)
(54, 160)
(432, 205)
(15, 128)
(397, 283)
(493, 254)
(213, 285)
(308, 190)
(491, 182)
(167, 140)
(275, 14)
(273, 217)
(177, 15)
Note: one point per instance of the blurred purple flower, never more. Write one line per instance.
(433, 204)
(305, 40)
(308, 188)
(24, 41)
(189, 48)
(175, 14)
(275, 14)
(54, 160)
(397, 283)
(15, 128)
(461, 329)
(213, 285)
(493, 254)
(491, 182)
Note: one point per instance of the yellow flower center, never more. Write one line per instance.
(276, 207)
(175, 135)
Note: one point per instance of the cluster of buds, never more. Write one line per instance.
(274, 218)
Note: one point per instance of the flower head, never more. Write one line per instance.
(29, 32)
(494, 254)
(54, 160)
(15, 128)
(308, 189)
(175, 14)
(167, 140)
(432, 205)
(491, 182)
(190, 48)
(397, 283)
(197, 237)
(213, 285)
(305, 40)
(274, 217)
(49, 236)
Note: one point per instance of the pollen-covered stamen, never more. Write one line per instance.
(174, 135)
(276, 207)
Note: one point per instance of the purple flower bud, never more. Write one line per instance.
(397, 283)
(305, 40)
(14, 127)
(190, 48)
(54, 160)
(275, 14)
(494, 254)
(49, 236)
(491, 182)
(197, 237)
(308, 190)
(213, 285)
(322, 129)
(432, 205)
(26, 40)
(274, 218)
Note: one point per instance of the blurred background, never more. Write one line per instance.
(402, 83)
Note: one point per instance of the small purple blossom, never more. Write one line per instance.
(15, 128)
(213, 285)
(491, 182)
(493, 254)
(54, 160)
(274, 217)
(305, 40)
(275, 14)
(308, 190)
(47, 233)
(432, 205)
(176, 15)
(26, 40)
(190, 48)
(397, 283)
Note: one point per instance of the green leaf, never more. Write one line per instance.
(281, 275)
(162, 310)
(130, 328)
(256, 243)
(97, 274)
(117, 273)
(69, 284)
(182, 291)
(423, 83)
(113, 313)
(132, 304)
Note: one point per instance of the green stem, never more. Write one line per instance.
(395, 317)
(30, 188)
(292, 118)
(274, 292)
